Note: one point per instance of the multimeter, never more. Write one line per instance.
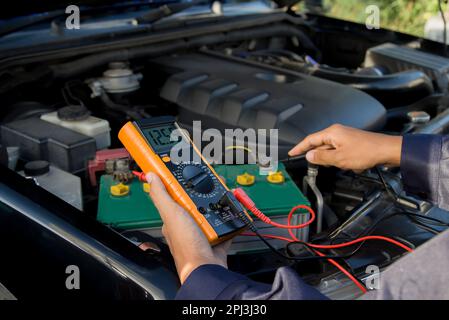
(193, 184)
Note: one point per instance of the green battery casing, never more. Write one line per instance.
(136, 210)
(271, 199)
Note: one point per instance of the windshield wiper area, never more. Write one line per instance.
(166, 10)
(151, 16)
(24, 22)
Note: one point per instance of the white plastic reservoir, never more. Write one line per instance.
(94, 127)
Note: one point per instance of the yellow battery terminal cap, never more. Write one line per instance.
(146, 187)
(276, 177)
(119, 190)
(246, 179)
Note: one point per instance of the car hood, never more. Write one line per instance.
(29, 7)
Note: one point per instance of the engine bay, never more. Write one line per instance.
(59, 131)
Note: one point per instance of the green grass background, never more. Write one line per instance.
(408, 16)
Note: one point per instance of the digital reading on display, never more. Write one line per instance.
(159, 137)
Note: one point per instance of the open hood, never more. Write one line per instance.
(29, 7)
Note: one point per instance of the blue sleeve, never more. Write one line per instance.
(425, 167)
(413, 278)
(213, 282)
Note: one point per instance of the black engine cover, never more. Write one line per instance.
(229, 93)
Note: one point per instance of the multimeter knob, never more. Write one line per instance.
(197, 179)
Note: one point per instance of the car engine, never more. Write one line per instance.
(59, 126)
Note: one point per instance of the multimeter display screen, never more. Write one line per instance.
(159, 137)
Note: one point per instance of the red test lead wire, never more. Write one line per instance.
(246, 201)
(331, 261)
(140, 175)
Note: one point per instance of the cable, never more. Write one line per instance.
(343, 256)
(268, 236)
(253, 228)
(140, 175)
(301, 157)
(67, 93)
(336, 246)
(293, 258)
(246, 201)
(320, 256)
(362, 239)
(356, 281)
(243, 198)
(385, 185)
(247, 150)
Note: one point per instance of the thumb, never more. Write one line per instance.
(158, 193)
(321, 157)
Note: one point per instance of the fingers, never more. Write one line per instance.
(161, 199)
(311, 142)
(322, 157)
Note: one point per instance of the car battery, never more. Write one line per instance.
(129, 207)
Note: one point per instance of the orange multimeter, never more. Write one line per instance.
(193, 184)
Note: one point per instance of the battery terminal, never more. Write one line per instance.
(119, 190)
(276, 177)
(246, 179)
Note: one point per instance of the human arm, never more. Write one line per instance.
(350, 149)
(203, 270)
(424, 159)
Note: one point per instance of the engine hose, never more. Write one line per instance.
(398, 82)
(133, 114)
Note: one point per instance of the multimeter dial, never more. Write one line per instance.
(197, 178)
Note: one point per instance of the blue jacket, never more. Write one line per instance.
(425, 171)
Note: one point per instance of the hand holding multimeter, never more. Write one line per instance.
(194, 185)
(189, 246)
